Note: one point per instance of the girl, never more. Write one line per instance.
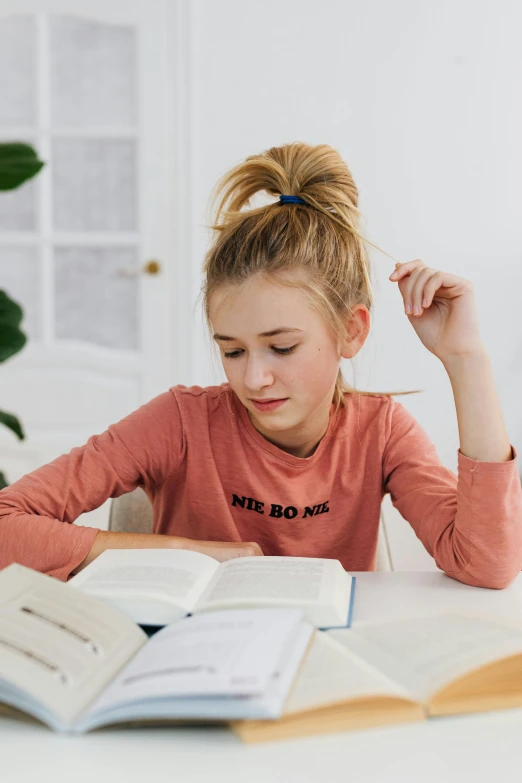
(285, 458)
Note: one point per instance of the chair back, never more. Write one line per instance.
(131, 513)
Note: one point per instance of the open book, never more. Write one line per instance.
(75, 663)
(157, 586)
(400, 671)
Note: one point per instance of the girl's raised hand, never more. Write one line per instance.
(441, 308)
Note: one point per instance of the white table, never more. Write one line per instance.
(485, 748)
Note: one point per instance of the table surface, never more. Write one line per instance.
(477, 748)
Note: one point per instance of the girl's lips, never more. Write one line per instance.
(270, 405)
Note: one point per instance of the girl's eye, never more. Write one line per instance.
(283, 351)
(232, 354)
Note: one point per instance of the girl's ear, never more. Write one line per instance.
(357, 328)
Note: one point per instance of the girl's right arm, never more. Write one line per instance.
(37, 511)
(220, 550)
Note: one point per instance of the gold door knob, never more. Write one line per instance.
(152, 267)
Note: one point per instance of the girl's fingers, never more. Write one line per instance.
(430, 289)
(418, 284)
(408, 286)
(405, 268)
(421, 290)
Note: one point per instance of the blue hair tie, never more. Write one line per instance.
(291, 200)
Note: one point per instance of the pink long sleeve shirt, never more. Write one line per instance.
(211, 475)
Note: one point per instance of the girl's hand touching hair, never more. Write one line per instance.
(441, 308)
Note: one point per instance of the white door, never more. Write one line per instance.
(87, 83)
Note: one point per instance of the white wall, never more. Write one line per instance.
(424, 102)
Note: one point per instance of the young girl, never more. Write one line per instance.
(285, 458)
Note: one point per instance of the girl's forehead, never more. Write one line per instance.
(258, 291)
(258, 307)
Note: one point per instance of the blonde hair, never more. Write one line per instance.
(321, 236)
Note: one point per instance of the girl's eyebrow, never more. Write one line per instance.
(272, 333)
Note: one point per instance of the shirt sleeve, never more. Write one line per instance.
(37, 512)
(471, 524)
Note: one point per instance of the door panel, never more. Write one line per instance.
(87, 84)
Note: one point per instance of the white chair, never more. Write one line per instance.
(132, 513)
(383, 560)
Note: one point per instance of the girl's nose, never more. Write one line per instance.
(257, 374)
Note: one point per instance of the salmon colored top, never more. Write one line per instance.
(211, 475)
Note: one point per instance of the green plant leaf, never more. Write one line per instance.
(18, 163)
(12, 339)
(3, 481)
(12, 422)
(10, 311)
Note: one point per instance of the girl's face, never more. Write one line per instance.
(275, 347)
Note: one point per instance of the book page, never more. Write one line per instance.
(289, 580)
(58, 647)
(331, 674)
(426, 653)
(271, 703)
(177, 576)
(231, 653)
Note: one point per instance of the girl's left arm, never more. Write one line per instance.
(482, 432)
(473, 529)
(442, 310)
